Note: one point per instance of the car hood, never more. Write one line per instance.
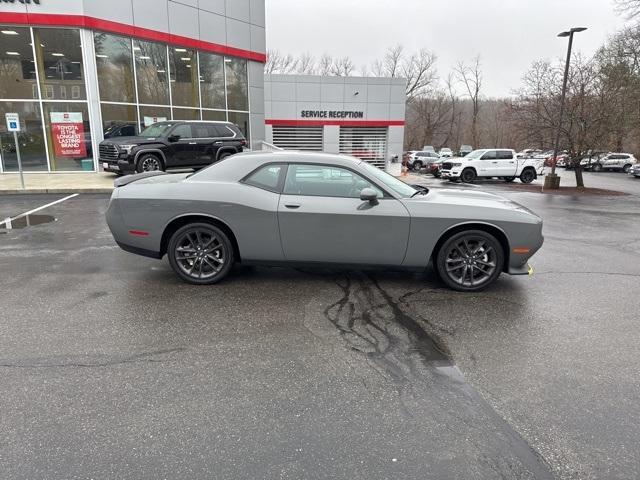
(470, 198)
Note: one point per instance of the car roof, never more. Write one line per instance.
(237, 166)
(194, 121)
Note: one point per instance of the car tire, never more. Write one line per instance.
(528, 175)
(470, 261)
(200, 253)
(626, 168)
(596, 167)
(149, 162)
(468, 175)
(417, 165)
(508, 179)
(224, 155)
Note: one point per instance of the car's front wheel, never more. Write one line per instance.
(417, 165)
(148, 162)
(200, 253)
(626, 168)
(468, 175)
(470, 261)
(596, 167)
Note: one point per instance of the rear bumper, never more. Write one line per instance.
(139, 251)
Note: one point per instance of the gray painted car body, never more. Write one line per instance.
(396, 231)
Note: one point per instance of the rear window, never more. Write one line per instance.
(222, 131)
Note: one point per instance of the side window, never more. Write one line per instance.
(183, 130)
(325, 181)
(200, 130)
(267, 177)
(505, 155)
(489, 155)
(222, 131)
(128, 131)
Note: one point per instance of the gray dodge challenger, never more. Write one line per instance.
(292, 208)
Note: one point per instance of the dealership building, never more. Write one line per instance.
(76, 69)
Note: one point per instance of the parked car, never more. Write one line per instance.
(284, 208)
(528, 153)
(615, 161)
(487, 163)
(172, 144)
(417, 160)
(465, 150)
(635, 170)
(446, 152)
(434, 166)
(428, 148)
(588, 161)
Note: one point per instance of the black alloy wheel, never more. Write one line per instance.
(470, 261)
(468, 175)
(417, 165)
(200, 253)
(597, 167)
(626, 168)
(528, 175)
(149, 162)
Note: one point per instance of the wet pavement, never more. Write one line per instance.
(112, 368)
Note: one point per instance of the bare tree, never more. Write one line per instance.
(342, 67)
(280, 63)
(325, 65)
(470, 75)
(418, 69)
(306, 64)
(628, 8)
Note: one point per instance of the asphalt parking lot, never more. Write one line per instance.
(113, 368)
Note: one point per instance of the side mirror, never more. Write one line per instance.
(369, 195)
(173, 138)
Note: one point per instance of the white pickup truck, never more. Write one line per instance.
(492, 162)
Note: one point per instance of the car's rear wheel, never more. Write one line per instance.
(626, 168)
(470, 261)
(468, 175)
(224, 155)
(528, 175)
(417, 165)
(148, 162)
(200, 253)
(596, 167)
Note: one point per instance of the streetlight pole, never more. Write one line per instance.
(552, 180)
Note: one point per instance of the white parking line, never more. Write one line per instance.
(7, 221)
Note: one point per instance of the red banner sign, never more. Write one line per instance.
(68, 134)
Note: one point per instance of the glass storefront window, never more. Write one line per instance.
(242, 121)
(150, 115)
(68, 136)
(216, 115)
(186, 114)
(237, 84)
(17, 66)
(212, 80)
(151, 69)
(30, 138)
(184, 77)
(59, 60)
(119, 120)
(115, 68)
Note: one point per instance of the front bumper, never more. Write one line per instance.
(450, 173)
(116, 165)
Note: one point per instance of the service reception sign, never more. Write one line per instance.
(68, 134)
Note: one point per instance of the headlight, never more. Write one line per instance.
(126, 148)
(456, 164)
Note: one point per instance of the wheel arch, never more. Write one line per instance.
(497, 232)
(185, 219)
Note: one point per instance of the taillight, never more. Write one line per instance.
(243, 142)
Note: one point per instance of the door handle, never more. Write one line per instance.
(193, 143)
(494, 162)
(292, 205)
(218, 143)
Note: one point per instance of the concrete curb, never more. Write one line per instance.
(33, 191)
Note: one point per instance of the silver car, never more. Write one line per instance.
(288, 208)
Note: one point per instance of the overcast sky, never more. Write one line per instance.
(508, 34)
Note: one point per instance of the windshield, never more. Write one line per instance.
(476, 154)
(391, 182)
(156, 130)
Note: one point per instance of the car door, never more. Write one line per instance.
(322, 219)
(488, 162)
(182, 150)
(504, 165)
(205, 137)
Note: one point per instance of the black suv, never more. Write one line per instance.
(172, 144)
